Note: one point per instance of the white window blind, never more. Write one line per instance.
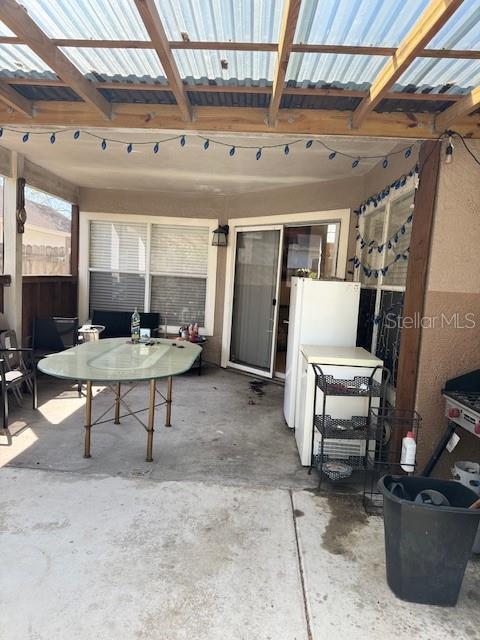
(179, 250)
(176, 269)
(118, 246)
(178, 264)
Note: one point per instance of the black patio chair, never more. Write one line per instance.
(17, 369)
(52, 335)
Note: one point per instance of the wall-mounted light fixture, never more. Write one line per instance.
(220, 236)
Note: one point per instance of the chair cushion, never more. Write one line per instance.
(13, 376)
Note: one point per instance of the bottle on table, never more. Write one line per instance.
(135, 326)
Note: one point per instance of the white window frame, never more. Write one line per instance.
(377, 283)
(84, 269)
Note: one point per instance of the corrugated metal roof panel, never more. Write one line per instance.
(431, 73)
(357, 22)
(332, 68)
(42, 92)
(222, 20)
(101, 19)
(412, 106)
(319, 102)
(246, 67)
(141, 63)
(209, 99)
(137, 96)
(462, 31)
(19, 57)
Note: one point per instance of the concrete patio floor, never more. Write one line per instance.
(222, 536)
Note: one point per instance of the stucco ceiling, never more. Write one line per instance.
(190, 168)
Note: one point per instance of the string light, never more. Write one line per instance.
(385, 163)
(232, 151)
(130, 148)
(207, 142)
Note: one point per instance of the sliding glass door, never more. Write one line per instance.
(255, 293)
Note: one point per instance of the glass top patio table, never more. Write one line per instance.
(118, 360)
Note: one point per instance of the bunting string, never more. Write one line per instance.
(388, 244)
(370, 271)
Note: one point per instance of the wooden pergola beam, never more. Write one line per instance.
(17, 19)
(311, 122)
(214, 45)
(468, 104)
(153, 24)
(287, 33)
(430, 22)
(14, 99)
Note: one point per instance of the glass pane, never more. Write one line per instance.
(47, 240)
(220, 21)
(388, 341)
(116, 291)
(2, 184)
(400, 210)
(179, 300)
(118, 246)
(371, 228)
(254, 291)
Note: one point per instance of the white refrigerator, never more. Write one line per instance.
(322, 312)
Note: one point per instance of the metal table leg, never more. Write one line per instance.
(117, 403)
(88, 420)
(151, 420)
(168, 413)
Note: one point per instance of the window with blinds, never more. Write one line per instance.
(155, 267)
(178, 268)
(399, 211)
(117, 266)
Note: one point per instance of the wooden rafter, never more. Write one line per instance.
(17, 19)
(214, 88)
(287, 33)
(214, 45)
(430, 22)
(14, 99)
(468, 104)
(153, 24)
(293, 122)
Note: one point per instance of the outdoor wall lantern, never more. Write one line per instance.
(220, 236)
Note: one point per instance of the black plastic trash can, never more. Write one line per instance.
(427, 547)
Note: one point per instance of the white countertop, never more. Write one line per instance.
(355, 356)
